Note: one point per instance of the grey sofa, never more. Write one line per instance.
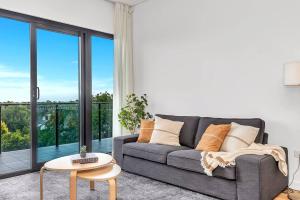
(253, 178)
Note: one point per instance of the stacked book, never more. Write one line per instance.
(90, 158)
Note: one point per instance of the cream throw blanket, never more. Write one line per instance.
(211, 160)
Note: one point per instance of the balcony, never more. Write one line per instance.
(57, 129)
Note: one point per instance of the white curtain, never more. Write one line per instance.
(123, 71)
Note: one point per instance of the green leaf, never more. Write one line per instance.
(131, 114)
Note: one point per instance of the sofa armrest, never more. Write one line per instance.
(118, 146)
(258, 177)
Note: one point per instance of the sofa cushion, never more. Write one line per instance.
(166, 132)
(146, 129)
(239, 136)
(213, 137)
(152, 152)
(191, 160)
(206, 121)
(189, 129)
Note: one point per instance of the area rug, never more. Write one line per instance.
(130, 187)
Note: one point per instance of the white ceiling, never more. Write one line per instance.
(129, 2)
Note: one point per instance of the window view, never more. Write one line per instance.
(102, 91)
(58, 86)
(14, 96)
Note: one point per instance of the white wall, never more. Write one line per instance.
(92, 14)
(221, 58)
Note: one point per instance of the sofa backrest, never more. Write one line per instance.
(189, 129)
(206, 121)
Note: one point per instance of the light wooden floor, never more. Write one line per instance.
(284, 196)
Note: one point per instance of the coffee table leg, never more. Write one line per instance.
(92, 185)
(73, 185)
(112, 189)
(41, 183)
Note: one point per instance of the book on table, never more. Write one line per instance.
(90, 158)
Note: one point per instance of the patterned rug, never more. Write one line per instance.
(130, 187)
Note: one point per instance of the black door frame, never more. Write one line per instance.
(33, 95)
(85, 79)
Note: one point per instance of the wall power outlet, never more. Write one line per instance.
(297, 153)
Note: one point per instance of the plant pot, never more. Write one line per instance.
(82, 154)
(132, 132)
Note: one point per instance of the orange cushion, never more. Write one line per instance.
(146, 130)
(213, 137)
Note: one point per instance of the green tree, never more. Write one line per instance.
(67, 127)
(103, 97)
(15, 127)
(16, 122)
(17, 117)
(15, 141)
(4, 128)
(102, 101)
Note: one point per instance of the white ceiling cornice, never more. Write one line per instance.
(129, 2)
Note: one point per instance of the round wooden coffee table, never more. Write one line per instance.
(65, 164)
(108, 173)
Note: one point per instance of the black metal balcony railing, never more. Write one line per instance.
(56, 114)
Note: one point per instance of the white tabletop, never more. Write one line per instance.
(101, 174)
(65, 163)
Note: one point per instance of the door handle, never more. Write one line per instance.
(37, 93)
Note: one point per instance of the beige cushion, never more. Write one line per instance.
(239, 136)
(166, 132)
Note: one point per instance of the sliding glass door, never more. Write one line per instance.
(15, 146)
(57, 109)
(102, 93)
(56, 83)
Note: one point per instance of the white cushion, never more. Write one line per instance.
(166, 132)
(239, 136)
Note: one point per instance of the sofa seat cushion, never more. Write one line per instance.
(191, 160)
(152, 152)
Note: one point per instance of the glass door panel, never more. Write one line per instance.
(102, 91)
(58, 94)
(15, 147)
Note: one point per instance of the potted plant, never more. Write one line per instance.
(83, 151)
(132, 113)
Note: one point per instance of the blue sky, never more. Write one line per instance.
(57, 59)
